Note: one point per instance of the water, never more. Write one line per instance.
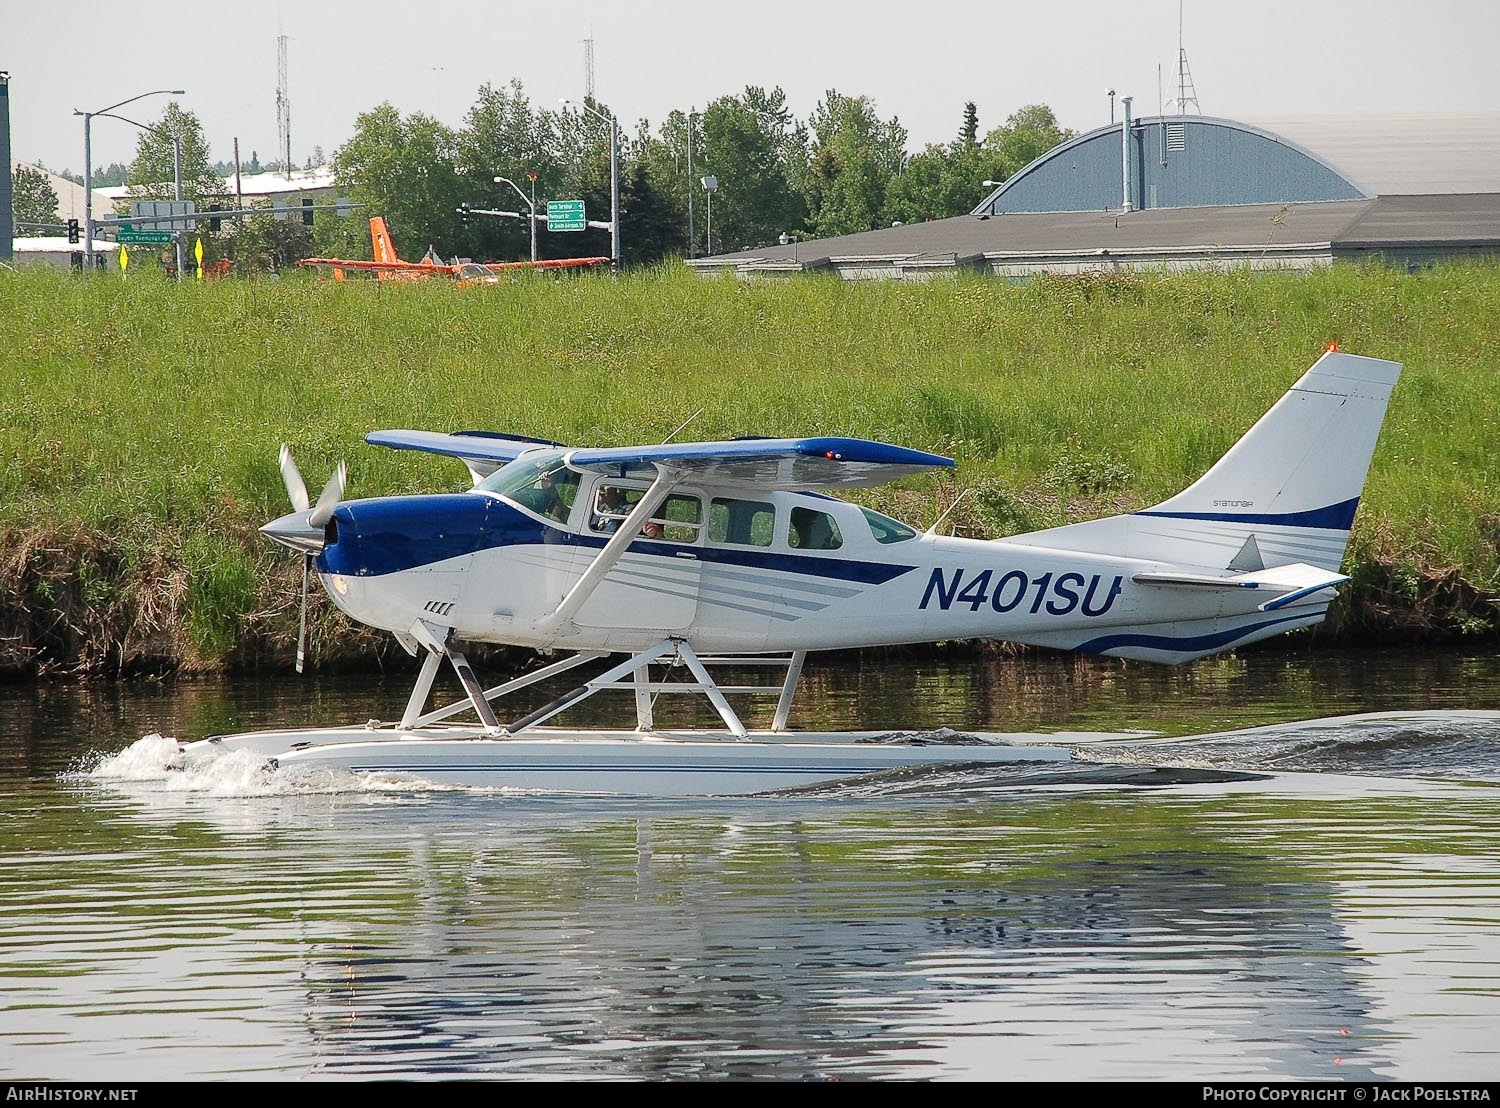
(1300, 902)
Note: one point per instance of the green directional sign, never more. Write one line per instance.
(144, 238)
(565, 215)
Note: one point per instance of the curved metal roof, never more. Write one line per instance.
(1415, 154)
(1411, 154)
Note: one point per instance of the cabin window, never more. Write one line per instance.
(813, 530)
(539, 481)
(741, 522)
(677, 520)
(887, 530)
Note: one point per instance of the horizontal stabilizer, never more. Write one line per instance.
(1290, 582)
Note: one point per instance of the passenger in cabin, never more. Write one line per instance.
(610, 505)
(813, 530)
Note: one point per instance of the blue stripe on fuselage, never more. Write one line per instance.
(1180, 643)
(1335, 517)
(391, 534)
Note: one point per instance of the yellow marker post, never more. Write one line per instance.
(198, 253)
(124, 260)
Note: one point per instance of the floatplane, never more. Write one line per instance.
(684, 556)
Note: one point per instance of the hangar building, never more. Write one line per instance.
(1191, 191)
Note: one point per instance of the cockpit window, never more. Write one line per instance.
(537, 480)
(677, 520)
(887, 530)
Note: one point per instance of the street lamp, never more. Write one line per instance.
(709, 185)
(88, 166)
(530, 204)
(614, 176)
(176, 173)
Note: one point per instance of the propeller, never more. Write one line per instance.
(302, 531)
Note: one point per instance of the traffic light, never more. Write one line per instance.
(72, 230)
(463, 211)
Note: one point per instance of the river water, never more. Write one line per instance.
(1301, 901)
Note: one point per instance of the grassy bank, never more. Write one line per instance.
(139, 420)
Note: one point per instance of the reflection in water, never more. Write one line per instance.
(1296, 903)
(1144, 966)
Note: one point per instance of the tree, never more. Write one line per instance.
(857, 154)
(503, 136)
(152, 174)
(944, 181)
(405, 169)
(33, 199)
(745, 147)
(650, 229)
(264, 243)
(1026, 136)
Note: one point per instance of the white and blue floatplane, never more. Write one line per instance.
(684, 555)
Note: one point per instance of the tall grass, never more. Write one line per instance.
(152, 411)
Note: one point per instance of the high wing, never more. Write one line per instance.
(788, 465)
(482, 451)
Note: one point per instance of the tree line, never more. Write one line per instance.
(842, 170)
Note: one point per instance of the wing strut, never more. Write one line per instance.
(630, 530)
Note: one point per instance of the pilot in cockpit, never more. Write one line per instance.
(610, 508)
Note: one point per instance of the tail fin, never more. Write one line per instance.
(384, 246)
(1284, 494)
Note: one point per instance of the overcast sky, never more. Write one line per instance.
(919, 61)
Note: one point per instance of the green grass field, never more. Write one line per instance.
(140, 419)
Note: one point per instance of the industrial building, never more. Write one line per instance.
(1182, 191)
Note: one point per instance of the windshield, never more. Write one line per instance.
(537, 480)
(887, 530)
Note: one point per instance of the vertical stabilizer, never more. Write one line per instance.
(380, 240)
(1285, 493)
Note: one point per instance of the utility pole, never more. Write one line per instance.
(178, 232)
(614, 177)
(692, 232)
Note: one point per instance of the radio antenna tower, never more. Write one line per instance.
(588, 66)
(1186, 94)
(283, 108)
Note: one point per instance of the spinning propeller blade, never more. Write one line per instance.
(292, 478)
(302, 530)
(329, 498)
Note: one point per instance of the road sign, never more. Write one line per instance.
(144, 238)
(146, 213)
(565, 215)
